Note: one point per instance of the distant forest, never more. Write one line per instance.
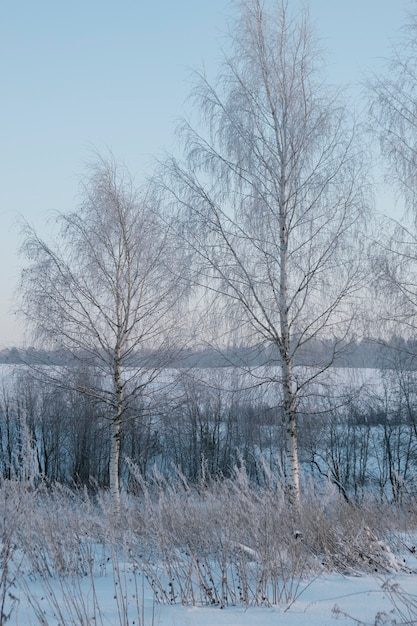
(366, 353)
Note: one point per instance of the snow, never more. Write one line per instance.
(76, 567)
(330, 599)
(117, 594)
(115, 591)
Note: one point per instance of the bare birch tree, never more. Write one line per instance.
(104, 293)
(271, 198)
(393, 113)
(393, 121)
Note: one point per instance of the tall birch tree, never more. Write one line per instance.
(271, 198)
(393, 113)
(393, 121)
(104, 294)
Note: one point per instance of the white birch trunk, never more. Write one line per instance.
(292, 471)
(290, 415)
(116, 426)
(114, 464)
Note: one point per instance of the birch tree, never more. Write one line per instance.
(393, 121)
(393, 113)
(271, 198)
(104, 293)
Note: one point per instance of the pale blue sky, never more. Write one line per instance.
(99, 73)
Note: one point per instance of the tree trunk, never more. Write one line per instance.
(292, 472)
(114, 463)
(116, 426)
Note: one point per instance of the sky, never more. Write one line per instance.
(99, 75)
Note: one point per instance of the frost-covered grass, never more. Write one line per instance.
(179, 553)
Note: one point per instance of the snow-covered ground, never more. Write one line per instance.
(115, 591)
(67, 559)
(326, 600)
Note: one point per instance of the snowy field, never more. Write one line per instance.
(221, 554)
(126, 599)
(227, 555)
(252, 384)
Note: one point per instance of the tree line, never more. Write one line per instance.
(260, 232)
(377, 353)
(361, 440)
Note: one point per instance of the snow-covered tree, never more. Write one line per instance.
(104, 293)
(271, 197)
